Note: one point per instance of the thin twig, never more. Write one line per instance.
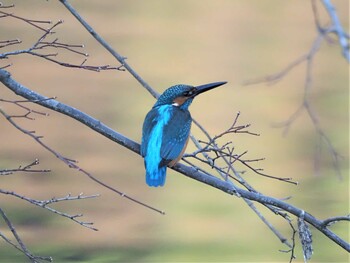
(10, 42)
(227, 157)
(343, 37)
(28, 21)
(72, 164)
(27, 169)
(308, 58)
(22, 247)
(42, 45)
(332, 220)
(45, 204)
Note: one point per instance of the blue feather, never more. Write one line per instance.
(175, 134)
(152, 138)
(166, 130)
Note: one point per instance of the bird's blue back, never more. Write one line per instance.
(164, 135)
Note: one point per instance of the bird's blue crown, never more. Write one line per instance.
(180, 90)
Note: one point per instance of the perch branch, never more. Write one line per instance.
(191, 172)
(121, 59)
(69, 162)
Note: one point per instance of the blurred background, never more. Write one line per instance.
(171, 42)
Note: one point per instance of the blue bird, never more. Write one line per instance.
(166, 130)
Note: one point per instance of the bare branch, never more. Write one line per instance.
(337, 28)
(44, 204)
(332, 220)
(274, 78)
(20, 103)
(27, 168)
(120, 58)
(225, 152)
(6, 6)
(305, 237)
(308, 58)
(227, 187)
(72, 163)
(21, 247)
(261, 198)
(10, 42)
(31, 22)
(42, 45)
(282, 239)
(292, 248)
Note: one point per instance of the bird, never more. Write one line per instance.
(166, 130)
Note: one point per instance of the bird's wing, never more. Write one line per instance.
(148, 125)
(175, 135)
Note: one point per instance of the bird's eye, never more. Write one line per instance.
(189, 93)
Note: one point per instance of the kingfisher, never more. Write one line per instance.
(166, 130)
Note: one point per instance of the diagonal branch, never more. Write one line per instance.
(115, 54)
(308, 59)
(27, 168)
(31, 22)
(191, 172)
(45, 204)
(22, 247)
(343, 37)
(226, 186)
(122, 60)
(72, 163)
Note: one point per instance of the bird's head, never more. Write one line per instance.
(181, 95)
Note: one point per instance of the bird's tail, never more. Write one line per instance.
(156, 177)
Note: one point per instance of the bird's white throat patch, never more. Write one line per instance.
(179, 101)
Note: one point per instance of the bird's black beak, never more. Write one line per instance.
(203, 88)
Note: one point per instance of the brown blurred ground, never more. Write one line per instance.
(170, 42)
